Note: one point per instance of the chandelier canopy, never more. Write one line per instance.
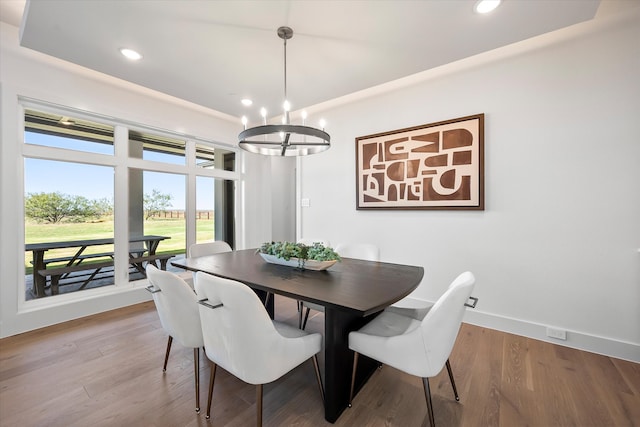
(283, 139)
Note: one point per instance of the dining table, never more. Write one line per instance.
(352, 292)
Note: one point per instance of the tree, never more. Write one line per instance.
(103, 207)
(55, 207)
(156, 202)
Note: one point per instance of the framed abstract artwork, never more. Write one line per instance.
(434, 166)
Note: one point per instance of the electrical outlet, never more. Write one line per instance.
(559, 334)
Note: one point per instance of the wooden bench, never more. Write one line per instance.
(79, 258)
(82, 257)
(137, 261)
(61, 272)
(57, 273)
(77, 261)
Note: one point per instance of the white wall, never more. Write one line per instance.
(558, 241)
(283, 188)
(28, 73)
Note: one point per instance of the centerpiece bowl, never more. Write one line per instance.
(295, 262)
(315, 257)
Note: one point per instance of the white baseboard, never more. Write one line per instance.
(578, 340)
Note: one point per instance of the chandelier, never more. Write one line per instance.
(284, 139)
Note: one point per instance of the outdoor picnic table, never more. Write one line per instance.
(40, 263)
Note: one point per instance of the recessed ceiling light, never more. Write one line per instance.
(246, 102)
(486, 6)
(130, 54)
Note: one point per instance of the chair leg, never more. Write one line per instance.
(306, 317)
(427, 395)
(196, 373)
(353, 376)
(318, 377)
(259, 405)
(166, 355)
(211, 380)
(453, 382)
(266, 299)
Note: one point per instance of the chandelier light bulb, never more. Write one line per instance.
(323, 123)
(245, 121)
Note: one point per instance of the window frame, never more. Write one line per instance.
(121, 164)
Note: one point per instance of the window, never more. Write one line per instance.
(205, 211)
(55, 130)
(62, 205)
(77, 166)
(157, 208)
(160, 149)
(208, 157)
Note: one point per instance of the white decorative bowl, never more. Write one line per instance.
(293, 262)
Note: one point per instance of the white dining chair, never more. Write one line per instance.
(197, 250)
(419, 347)
(240, 337)
(177, 308)
(209, 248)
(310, 242)
(364, 251)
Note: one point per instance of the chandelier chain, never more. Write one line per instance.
(285, 70)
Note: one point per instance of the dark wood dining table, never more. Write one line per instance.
(352, 291)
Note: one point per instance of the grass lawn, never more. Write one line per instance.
(173, 228)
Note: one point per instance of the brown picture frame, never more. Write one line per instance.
(433, 166)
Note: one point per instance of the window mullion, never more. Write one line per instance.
(190, 208)
(121, 206)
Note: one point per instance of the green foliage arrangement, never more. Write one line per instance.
(288, 250)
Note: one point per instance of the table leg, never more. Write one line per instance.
(138, 265)
(338, 361)
(270, 305)
(39, 282)
(152, 245)
(75, 257)
(70, 263)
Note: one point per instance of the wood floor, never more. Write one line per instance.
(106, 370)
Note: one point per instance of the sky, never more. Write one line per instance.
(96, 182)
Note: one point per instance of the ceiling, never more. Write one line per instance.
(214, 53)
